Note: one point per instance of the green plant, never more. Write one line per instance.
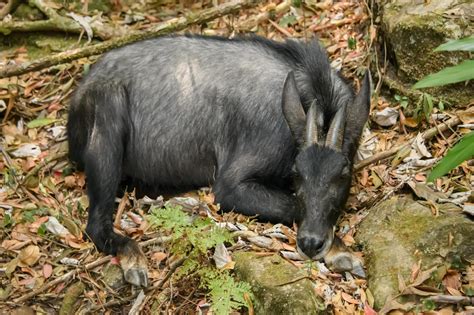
(464, 149)
(461, 72)
(402, 100)
(194, 238)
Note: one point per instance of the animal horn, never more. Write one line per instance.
(336, 130)
(311, 126)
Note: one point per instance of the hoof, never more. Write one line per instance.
(340, 259)
(134, 264)
(136, 276)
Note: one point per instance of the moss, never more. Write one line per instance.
(400, 232)
(411, 32)
(274, 286)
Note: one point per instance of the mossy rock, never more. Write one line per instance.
(399, 232)
(273, 284)
(413, 29)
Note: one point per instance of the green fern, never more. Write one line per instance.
(194, 238)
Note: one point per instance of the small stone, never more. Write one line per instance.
(113, 276)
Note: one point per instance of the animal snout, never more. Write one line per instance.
(312, 246)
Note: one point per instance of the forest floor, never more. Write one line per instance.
(42, 198)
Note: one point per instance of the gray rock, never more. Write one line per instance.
(278, 286)
(399, 232)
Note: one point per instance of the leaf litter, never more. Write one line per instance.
(43, 207)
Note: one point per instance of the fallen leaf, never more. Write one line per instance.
(348, 298)
(221, 256)
(452, 279)
(47, 270)
(29, 256)
(158, 256)
(386, 117)
(27, 150)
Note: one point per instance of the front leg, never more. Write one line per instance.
(253, 198)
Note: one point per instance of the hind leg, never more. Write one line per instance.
(103, 164)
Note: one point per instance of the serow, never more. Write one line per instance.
(271, 126)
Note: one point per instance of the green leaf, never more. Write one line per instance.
(461, 72)
(289, 19)
(465, 44)
(461, 152)
(40, 122)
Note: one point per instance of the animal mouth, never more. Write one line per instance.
(326, 247)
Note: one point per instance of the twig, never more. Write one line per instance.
(65, 277)
(255, 20)
(159, 284)
(280, 29)
(428, 134)
(92, 265)
(167, 27)
(450, 299)
(293, 281)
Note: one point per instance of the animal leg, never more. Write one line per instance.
(103, 163)
(253, 198)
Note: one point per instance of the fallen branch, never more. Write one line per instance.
(65, 277)
(167, 27)
(450, 299)
(55, 22)
(428, 134)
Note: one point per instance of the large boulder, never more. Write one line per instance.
(400, 232)
(412, 29)
(278, 286)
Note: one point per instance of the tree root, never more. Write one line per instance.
(167, 27)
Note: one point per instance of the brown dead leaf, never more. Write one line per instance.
(415, 270)
(29, 256)
(70, 181)
(35, 225)
(47, 270)
(454, 292)
(348, 298)
(452, 279)
(14, 244)
(158, 256)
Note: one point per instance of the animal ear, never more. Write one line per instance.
(292, 109)
(357, 114)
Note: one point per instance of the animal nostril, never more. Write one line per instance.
(311, 246)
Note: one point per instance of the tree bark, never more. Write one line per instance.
(167, 27)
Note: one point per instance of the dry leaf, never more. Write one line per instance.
(29, 256)
(47, 270)
(158, 256)
(348, 298)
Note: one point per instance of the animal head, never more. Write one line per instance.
(323, 164)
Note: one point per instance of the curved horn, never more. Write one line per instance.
(336, 130)
(311, 126)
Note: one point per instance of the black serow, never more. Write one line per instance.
(187, 111)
